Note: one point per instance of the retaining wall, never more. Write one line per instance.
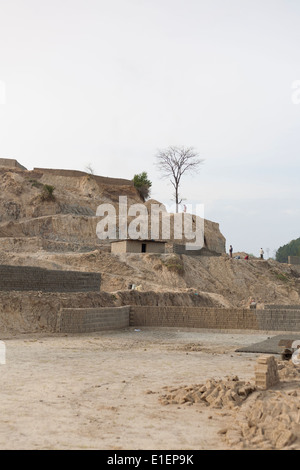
(33, 244)
(11, 163)
(82, 320)
(281, 307)
(77, 174)
(216, 318)
(182, 250)
(27, 278)
(87, 312)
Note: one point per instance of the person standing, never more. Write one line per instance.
(230, 251)
(261, 253)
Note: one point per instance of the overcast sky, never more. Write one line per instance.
(107, 83)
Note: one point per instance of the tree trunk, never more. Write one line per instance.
(176, 198)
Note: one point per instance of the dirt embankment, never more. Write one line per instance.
(227, 282)
(60, 233)
(33, 312)
(55, 206)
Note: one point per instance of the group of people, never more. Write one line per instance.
(261, 253)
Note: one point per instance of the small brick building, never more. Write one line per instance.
(138, 246)
(295, 260)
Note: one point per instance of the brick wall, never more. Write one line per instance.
(82, 320)
(27, 278)
(279, 319)
(281, 307)
(216, 318)
(135, 246)
(88, 311)
(194, 317)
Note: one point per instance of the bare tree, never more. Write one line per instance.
(174, 162)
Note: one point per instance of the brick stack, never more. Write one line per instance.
(266, 372)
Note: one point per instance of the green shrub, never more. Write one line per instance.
(174, 265)
(47, 193)
(142, 184)
(282, 277)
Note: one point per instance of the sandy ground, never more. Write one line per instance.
(101, 391)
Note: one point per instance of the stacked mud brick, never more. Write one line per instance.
(266, 372)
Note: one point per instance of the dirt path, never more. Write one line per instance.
(101, 391)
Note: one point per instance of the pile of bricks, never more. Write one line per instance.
(266, 372)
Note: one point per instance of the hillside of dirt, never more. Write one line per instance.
(58, 231)
(227, 282)
(60, 207)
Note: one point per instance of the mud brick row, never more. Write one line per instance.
(27, 278)
(87, 320)
(193, 317)
(216, 318)
(281, 307)
(285, 319)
